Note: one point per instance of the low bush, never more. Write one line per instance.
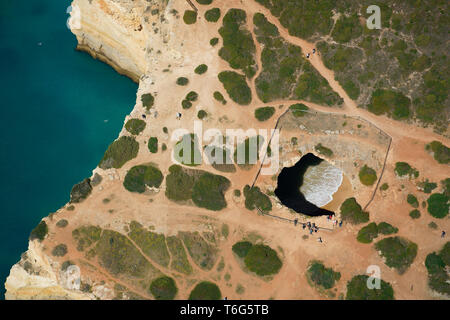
(392, 103)
(219, 97)
(242, 248)
(298, 110)
(437, 265)
(367, 176)
(254, 198)
(352, 212)
(182, 81)
(214, 41)
(441, 153)
(262, 260)
(357, 289)
(201, 69)
(386, 228)
(205, 291)
(202, 114)
(415, 214)
(208, 191)
(236, 87)
(412, 200)
(135, 126)
(321, 276)
(60, 250)
(190, 17)
(141, 177)
(368, 233)
(192, 96)
(403, 169)
(398, 252)
(62, 223)
(204, 2)
(147, 100)
(119, 152)
(323, 150)
(264, 113)
(384, 187)
(212, 15)
(153, 145)
(438, 205)
(163, 288)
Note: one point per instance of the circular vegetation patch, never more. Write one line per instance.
(190, 17)
(264, 113)
(182, 81)
(201, 69)
(60, 250)
(212, 15)
(153, 145)
(357, 289)
(135, 126)
(214, 41)
(242, 248)
(438, 205)
(140, 177)
(367, 176)
(263, 260)
(205, 291)
(164, 288)
(202, 114)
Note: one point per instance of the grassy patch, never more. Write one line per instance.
(147, 100)
(323, 150)
(322, 277)
(389, 102)
(437, 265)
(201, 69)
(182, 81)
(264, 113)
(262, 260)
(404, 169)
(208, 191)
(204, 254)
(212, 15)
(204, 2)
(39, 232)
(426, 186)
(219, 97)
(62, 223)
(254, 198)
(60, 250)
(190, 17)
(352, 212)
(298, 110)
(141, 177)
(412, 200)
(357, 290)
(398, 252)
(135, 126)
(347, 28)
(86, 236)
(153, 145)
(152, 244)
(367, 176)
(415, 214)
(242, 248)
(438, 205)
(384, 186)
(179, 260)
(119, 152)
(386, 228)
(236, 87)
(164, 288)
(205, 291)
(441, 153)
(368, 233)
(214, 41)
(202, 114)
(238, 46)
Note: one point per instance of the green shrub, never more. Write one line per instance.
(212, 15)
(263, 260)
(298, 110)
(179, 261)
(219, 97)
(238, 46)
(403, 169)
(398, 252)
(214, 41)
(62, 223)
(237, 193)
(204, 2)
(386, 228)
(432, 225)
(347, 28)
(179, 184)
(357, 289)
(153, 145)
(208, 191)
(205, 291)
(186, 104)
(190, 17)
(441, 153)
(415, 214)
(164, 288)
(264, 113)
(192, 96)
(438, 205)
(242, 248)
(368, 233)
(135, 126)
(60, 250)
(437, 265)
(202, 114)
(182, 81)
(427, 187)
(236, 87)
(201, 69)
(140, 177)
(367, 176)
(389, 102)
(352, 212)
(321, 276)
(323, 150)
(119, 152)
(412, 200)
(39, 232)
(147, 100)
(384, 187)
(254, 198)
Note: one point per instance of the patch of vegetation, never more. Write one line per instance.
(182, 81)
(190, 17)
(322, 277)
(242, 248)
(386, 228)
(203, 253)
(352, 212)
(398, 252)
(202, 114)
(437, 265)
(208, 191)
(214, 41)
(219, 97)
(254, 198)
(179, 261)
(152, 244)
(164, 288)
(60, 250)
(264, 113)
(179, 184)
(426, 186)
(367, 176)
(384, 186)
(347, 28)
(389, 102)
(404, 169)
(212, 15)
(201, 69)
(368, 233)
(86, 236)
(153, 145)
(441, 153)
(438, 205)
(323, 150)
(415, 214)
(236, 87)
(298, 110)
(143, 176)
(412, 200)
(39, 232)
(80, 191)
(204, 2)
(119, 152)
(263, 260)
(205, 291)
(357, 289)
(147, 100)
(238, 46)
(432, 225)
(135, 126)
(62, 223)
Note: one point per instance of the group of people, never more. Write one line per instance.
(309, 54)
(334, 221)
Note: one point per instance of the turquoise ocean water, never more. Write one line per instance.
(60, 110)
